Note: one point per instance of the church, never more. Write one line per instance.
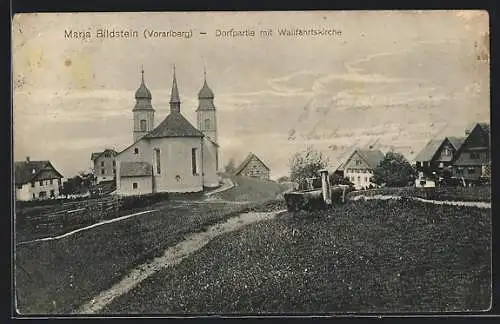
(174, 156)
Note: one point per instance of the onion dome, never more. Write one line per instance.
(205, 92)
(143, 92)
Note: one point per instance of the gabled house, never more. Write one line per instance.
(36, 180)
(437, 155)
(472, 161)
(359, 166)
(253, 167)
(104, 165)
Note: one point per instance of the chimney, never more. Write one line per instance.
(27, 159)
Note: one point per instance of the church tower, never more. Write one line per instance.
(206, 114)
(143, 111)
(175, 101)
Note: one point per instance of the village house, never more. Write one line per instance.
(104, 165)
(437, 155)
(472, 161)
(174, 156)
(253, 167)
(36, 180)
(359, 167)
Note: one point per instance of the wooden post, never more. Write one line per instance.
(325, 186)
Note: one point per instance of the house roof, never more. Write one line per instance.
(429, 150)
(483, 125)
(174, 125)
(25, 171)
(247, 160)
(135, 169)
(95, 155)
(371, 157)
(456, 141)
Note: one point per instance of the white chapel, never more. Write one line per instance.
(174, 156)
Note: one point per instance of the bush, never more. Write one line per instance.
(131, 202)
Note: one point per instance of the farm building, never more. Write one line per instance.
(359, 166)
(174, 156)
(36, 180)
(253, 167)
(472, 160)
(437, 155)
(104, 165)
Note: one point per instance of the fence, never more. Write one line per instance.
(75, 215)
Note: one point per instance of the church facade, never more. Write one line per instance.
(173, 156)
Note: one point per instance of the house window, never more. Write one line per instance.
(134, 185)
(106, 155)
(194, 165)
(32, 184)
(41, 183)
(52, 194)
(102, 171)
(42, 194)
(102, 163)
(358, 162)
(136, 150)
(34, 197)
(59, 181)
(51, 181)
(471, 170)
(474, 155)
(441, 165)
(216, 159)
(158, 159)
(207, 123)
(143, 125)
(447, 151)
(460, 170)
(359, 178)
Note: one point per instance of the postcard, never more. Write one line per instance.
(251, 163)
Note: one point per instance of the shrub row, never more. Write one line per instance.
(479, 193)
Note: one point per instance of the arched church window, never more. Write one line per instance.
(207, 123)
(143, 125)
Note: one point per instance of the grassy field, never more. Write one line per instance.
(248, 189)
(372, 256)
(56, 277)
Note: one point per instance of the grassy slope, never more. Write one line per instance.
(374, 256)
(58, 276)
(248, 189)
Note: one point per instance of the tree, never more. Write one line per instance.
(283, 179)
(230, 166)
(336, 179)
(306, 164)
(394, 171)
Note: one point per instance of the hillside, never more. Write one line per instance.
(249, 189)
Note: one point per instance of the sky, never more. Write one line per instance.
(389, 79)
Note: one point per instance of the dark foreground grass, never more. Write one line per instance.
(56, 277)
(372, 256)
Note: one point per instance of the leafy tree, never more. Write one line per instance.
(394, 171)
(306, 164)
(230, 166)
(283, 179)
(336, 179)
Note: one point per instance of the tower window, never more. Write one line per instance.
(207, 123)
(193, 161)
(157, 158)
(143, 125)
(102, 163)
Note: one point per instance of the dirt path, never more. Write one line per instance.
(170, 257)
(478, 204)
